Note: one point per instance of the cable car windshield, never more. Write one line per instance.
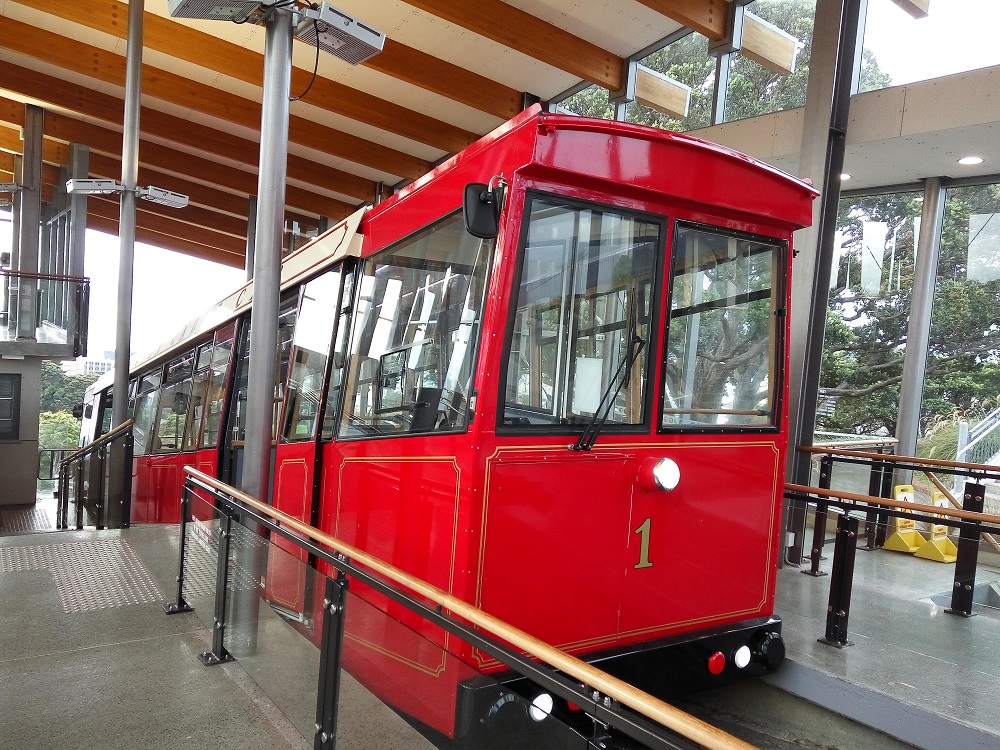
(722, 346)
(584, 273)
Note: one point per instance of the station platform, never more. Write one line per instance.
(90, 660)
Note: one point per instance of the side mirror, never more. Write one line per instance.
(78, 411)
(482, 210)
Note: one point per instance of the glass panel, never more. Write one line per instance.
(593, 101)
(201, 554)
(687, 61)
(585, 282)
(216, 395)
(333, 389)
(757, 90)
(955, 37)
(870, 287)
(963, 362)
(145, 413)
(416, 334)
(722, 345)
(172, 417)
(269, 629)
(313, 334)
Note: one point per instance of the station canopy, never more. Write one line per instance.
(449, 72)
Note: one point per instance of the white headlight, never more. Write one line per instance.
(666, 474)
(541, 707)
(742, 657)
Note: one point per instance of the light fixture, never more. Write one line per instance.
(339, 34)
(9, 187)
(844, 177)
(93, 187)
(970, 160)
(212, 10)
(113, 187)
(163, 197)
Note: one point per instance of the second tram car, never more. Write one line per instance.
(577, 424)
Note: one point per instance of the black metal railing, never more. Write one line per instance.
(877, 507)
(261, 579)
(97, 481)
(59, 304)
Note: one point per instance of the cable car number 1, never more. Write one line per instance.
(644, 545)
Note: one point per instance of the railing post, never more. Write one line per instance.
(331, 651)
(219, 654)
(126, 509)
(62, 508)
(968, 554)
(79, 494)
(819, 519)
(875, 520)
(180, 604)
(102, 458)
(841, 582)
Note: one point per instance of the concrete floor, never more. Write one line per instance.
(88, 659)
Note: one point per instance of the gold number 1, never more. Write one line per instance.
(644, 545)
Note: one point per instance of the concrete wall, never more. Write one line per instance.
(19, 458)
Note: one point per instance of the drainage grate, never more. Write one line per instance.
(25, 520)
(89, 575)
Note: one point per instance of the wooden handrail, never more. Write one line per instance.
(980, 468)
(653, 708)
(951, 498)
(104, 439)
(937, 510)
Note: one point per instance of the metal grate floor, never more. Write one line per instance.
(25, 520)
(89, 575)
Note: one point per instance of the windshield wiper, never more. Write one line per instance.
(621, 376)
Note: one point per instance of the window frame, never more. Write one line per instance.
(352, 369)
(653, 335)
(14, 431)
(780, 312)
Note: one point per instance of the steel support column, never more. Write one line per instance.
(918, 329)
(251, 235)
(126, 245)
(29, 220)
(76, 233)
(831, 72)
(267, 253)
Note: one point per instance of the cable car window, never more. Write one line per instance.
(145, 411)
(339, 354)
(416, 333)
(202, 372)
(174, 403)
(216, 395)
(722, 343)
(286, 326)
(581, 320)
(311, 347)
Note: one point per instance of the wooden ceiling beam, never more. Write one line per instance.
(66, 95)
(109, 225)
(707, 17)
(395, 60)
(152, 154)
(175, 39)
(109, 67)
(533, 37)
(109, 209)
(52, 152)
(221, 203)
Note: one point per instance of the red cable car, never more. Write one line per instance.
(572, 416)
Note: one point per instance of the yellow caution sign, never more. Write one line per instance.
(939, 547)
(906, 538)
